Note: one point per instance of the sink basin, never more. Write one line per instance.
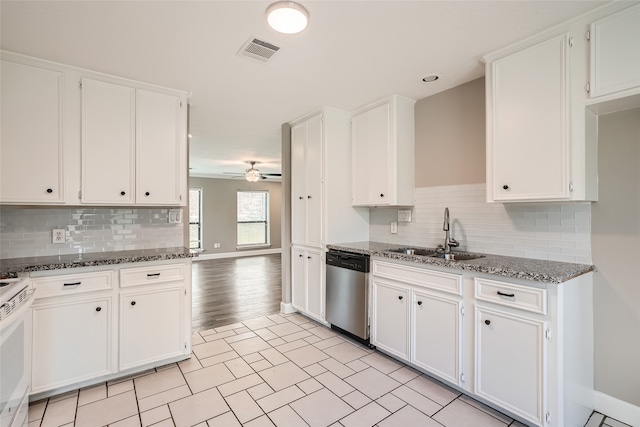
(413, 251)
(458, 256)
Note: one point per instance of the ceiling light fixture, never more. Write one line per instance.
(252, 174)
(431, 78)
(287, 17)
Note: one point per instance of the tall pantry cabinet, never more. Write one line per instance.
(321, 211)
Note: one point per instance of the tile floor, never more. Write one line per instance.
(281, 370)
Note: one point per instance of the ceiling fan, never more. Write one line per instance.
(252, 174)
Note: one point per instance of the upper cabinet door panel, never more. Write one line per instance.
(615, 52)
(157, 148)
(530, 139)
(32, 134)
(108, 143)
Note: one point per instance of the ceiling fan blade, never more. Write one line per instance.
(272, 174)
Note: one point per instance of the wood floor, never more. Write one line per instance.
(230, 290)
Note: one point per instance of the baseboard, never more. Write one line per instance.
(618, 409)
(286, 308)
(237, 254)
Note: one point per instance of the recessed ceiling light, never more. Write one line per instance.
(431, 78)
(287, 17)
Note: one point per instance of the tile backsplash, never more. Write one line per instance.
(26, 232)
(553, 231)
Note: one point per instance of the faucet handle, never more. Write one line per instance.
(439, 248)
(453, 242)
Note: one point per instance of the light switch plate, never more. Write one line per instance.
(394, 227)
(404, 215)
(175, 216)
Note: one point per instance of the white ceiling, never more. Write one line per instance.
(352, 53)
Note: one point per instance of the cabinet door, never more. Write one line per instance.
(151, 325)
(313, 154)
(529, 133)
(436, 338)
(108, 143)
(390, 329)
(371, 156)
(31, 160)
(158, 159)
(298, 279)
(298, 184)
(511, 362)
(615, 52)
(71, 342)
(315, 284)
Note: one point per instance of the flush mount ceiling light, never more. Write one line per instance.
(287, 17)
(431, 78)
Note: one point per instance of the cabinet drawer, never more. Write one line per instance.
(445, 282)
(151, 274)
(512, 295)
(72, 284)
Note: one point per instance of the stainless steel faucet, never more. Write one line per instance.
(449, 242)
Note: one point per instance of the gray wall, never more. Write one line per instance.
(450, 136)
(616, 255)
(219, 211)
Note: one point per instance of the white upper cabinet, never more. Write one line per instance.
(615, 52)
(383, 138)
(31, 160)
(528, 137)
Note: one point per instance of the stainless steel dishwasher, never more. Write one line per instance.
(347, 293)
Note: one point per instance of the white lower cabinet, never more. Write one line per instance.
(307, 276)
(71, 341)
(390, 328)
(511, 362)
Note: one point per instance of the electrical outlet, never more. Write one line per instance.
(216, 245)
(394, 227)
(58, 235)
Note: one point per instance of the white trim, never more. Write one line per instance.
(238, 254)
(286, 308)
(617, 409)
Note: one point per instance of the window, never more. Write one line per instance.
(253, 218)
(195, 218)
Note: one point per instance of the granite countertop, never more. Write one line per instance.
(518, 268)
(11, 266)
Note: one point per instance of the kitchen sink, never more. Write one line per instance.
(458, 256)
(413, 251)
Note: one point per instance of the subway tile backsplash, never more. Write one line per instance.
(553, 231)
(26, 232)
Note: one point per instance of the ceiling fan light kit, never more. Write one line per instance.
(287, 17)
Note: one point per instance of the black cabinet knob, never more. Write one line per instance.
(49, 190)
(122, 193)
(400, 297)
(381, 195)
(505, 187)
(487, 322)
(308, 257)
(419, 302)
(98, 308)
(308, 197)
(147, 193)
(300, 197)
(133, 303)
(300, 255)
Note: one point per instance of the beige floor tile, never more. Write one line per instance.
(372, 383)
(308, 325)
(312, 339)
(391, 402)
(158, 382)
(321, 408)
(60, 412)
(595, 420)
(34, 423)
(382, 363)
(434, 390)
(356, 399)
(165, 423)
(263, 421)
(315, 369)
(122, 387)
(163, 398)
(259, 391)
(286, 417)
(242, 330)
(133, 421)
(404, 374)
(288, 346)
(417, 400)
(253, 357)
(209, 377)
(460, 414)
(198, 408)
(280, 398)
(357, 365)
(283, 376)
(64, 396)
(326, 343)
(266, 334)
(306, 356)
(408, 416)
(334, 383)
(207, 332)
(298, 319)
(322, 332)
(240, 337)
(229, 327)
(366, 416)
(276, 342)
(277, 318)
(251, 345)
(155, 415)
(107, 411)
(212, 348)
(196, 339)
(260, 365)
(297, 336)
(167, 366)
(340, 369)
(89, 395)
(496, 414)
(243, 406)
(611, 422)
(239, 368)
(228, 419)
(259, 323)
(220, 358)
(285, 329)
(309, 386)
(240, 384)
(219, 336)
(189, 365)
(345, 352)
(36, 410)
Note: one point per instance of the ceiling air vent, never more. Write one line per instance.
(258, 50)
